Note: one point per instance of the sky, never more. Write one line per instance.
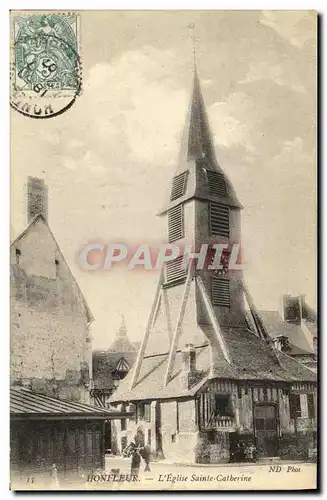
(109, 159)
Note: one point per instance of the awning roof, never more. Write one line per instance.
(27, 404)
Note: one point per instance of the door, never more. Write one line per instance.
(265, 424)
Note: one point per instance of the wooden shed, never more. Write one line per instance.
(54, 442)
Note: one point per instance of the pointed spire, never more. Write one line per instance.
(122, 332)
(197, 157)
(197, 139)
(121, 341)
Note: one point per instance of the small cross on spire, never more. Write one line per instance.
(191, 27)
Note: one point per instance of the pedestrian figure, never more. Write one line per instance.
(250, 453)
(136, 459)
(54, 476)
(145, 454)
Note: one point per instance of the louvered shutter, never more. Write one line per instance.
(178, 186)
(221, 292)
(217, 184)
(219, 219)
(175, 271)
(175, 223)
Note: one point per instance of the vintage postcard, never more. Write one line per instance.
(163, 250)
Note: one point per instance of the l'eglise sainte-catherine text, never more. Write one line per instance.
(179, 478)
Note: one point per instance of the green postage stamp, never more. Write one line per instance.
(45, 63)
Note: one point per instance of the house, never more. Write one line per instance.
(294, 329)
(51, 350)
(109, 367)
(205, 378)
(51, 356)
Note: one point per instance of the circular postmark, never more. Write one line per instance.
(46, 69)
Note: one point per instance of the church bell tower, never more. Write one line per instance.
(193, 306)
(203, 209)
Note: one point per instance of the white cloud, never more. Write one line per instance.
(295, 26)
(231, 121)
(136, 105)
(268, 70)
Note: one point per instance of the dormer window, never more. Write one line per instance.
(179, 186)
(121, 369)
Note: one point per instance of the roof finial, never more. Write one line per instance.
(191, 27)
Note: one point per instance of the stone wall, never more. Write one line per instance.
(300, 446)
(212, 447)
(51, 348)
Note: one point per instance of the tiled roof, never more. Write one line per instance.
(152, 375)
(105, 362)
(251, 359)
(25, 402)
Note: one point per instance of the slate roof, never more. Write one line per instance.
(24, 402)
(251, 359)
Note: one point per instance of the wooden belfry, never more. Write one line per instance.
(203, 207)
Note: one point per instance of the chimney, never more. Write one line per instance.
(292, 309)
(189, 359)
(189, 372)
(281, 343)
(37, 198)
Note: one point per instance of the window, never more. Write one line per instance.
(179, 186)
(217, 183)
(220, 292)
(144, 411)
(311, 406)
(295, 406)
(149, 437)
(175, 271)
(147, 412)
(18, 253)
(133, 410)
(57, 267)
(219, 219)
(175, 223)
(140, 411)
(223, 406)
(173, 438)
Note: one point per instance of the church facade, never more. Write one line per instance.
(208, 376)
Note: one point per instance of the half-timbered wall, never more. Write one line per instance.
(244, 396)
(207, 403)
